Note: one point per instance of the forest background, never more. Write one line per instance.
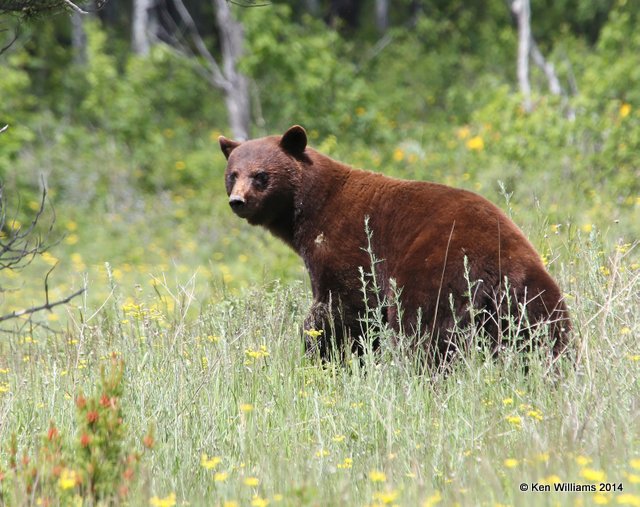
(116, 113)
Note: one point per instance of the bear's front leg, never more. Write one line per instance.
(319, 327)
(332, 327)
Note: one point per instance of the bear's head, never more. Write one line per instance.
(263, 174)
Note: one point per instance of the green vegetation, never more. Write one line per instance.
(205, 311)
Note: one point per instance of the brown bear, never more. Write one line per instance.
(448, 260)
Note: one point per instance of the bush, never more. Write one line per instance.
(99, 466)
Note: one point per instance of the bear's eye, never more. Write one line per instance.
(261, 179)
(231, 179)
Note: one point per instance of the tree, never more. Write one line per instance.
(223, 74)
(382, 15)
(527, 47)
(140, 26)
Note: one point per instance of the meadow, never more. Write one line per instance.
(216, 383)
(178, 377)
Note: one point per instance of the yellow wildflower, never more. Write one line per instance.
(552, 479)
(583, 460)
(258, 353)
(313, 333)
(535, 414)
(209, 463)
(68, 479)
(600, 499)
(475, 144)
(258, 501)
(220, 476)
(625, 109)
(432, 500)
(593, 475)
(251, 481)
(347, 463)
(386, 497)
(168, 501)
(514, 419)
(628, 499)
(635, 463)
(377, 476)
(511, 463)
(632, 478)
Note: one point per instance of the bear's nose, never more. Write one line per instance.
(236, 202)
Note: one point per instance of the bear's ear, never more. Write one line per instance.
(294, 141)
(227, 145)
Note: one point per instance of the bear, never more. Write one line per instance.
(444, 259)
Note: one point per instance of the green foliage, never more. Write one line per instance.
(17, 103)
(304, 76)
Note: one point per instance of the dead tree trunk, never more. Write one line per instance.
(78, 38)
(382, 15)
(522, 11)
(527, 48)
(141, 27)
(225, 75)
(236, 87)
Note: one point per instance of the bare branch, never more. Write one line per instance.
(74, 7)
(20, 245)
(7, 46)
(250, 3)
(47, 306)
(216, 75)
(554, 83)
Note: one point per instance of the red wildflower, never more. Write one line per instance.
(92, 416)
(85, 440)
(148, 441)
(52, 433)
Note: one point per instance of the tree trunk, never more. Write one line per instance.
(78, 38)
(382, 15)
(140, 27)
(236, 88)
(312, 6)
(522, 11)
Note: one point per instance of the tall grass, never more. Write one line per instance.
(242, 416)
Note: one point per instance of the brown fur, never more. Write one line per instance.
(422, 233)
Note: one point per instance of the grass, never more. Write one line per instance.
(206, 312)
(241, 416)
